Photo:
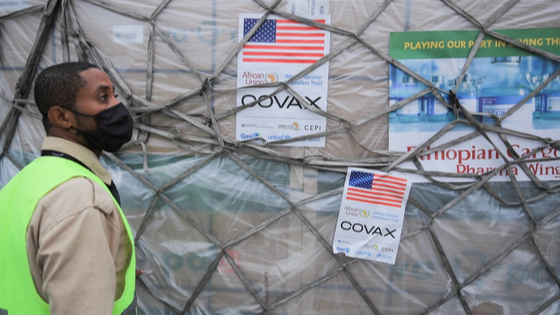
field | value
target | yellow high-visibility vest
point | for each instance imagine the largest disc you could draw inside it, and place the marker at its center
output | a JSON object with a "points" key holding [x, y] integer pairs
{"points": [[18, 200]]}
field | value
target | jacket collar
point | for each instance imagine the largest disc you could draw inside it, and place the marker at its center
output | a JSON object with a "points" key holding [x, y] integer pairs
{"points": [[80, 153]]}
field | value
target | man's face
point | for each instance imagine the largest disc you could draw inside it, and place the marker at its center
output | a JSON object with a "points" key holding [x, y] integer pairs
{"points": [[97, 95]]}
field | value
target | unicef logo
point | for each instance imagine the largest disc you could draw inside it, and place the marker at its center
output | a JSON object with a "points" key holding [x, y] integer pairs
{"points": [[271, 77], [279, 137]]}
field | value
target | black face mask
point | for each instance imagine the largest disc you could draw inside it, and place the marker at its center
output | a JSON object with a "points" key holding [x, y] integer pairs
{"points": [[114, 128]]}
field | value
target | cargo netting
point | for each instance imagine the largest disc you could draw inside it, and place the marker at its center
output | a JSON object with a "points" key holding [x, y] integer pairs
{"points": [[226, 226]]}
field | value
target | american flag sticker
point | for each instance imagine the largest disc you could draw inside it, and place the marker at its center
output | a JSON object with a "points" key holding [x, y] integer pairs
{"points": [[379, 189], [284, 41]]}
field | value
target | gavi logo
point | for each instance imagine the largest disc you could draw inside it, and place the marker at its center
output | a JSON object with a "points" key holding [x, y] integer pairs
{"points": [[245, 136]]}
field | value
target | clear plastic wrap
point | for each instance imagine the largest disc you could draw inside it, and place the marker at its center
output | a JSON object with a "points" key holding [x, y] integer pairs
{"points": [[227, 227]]}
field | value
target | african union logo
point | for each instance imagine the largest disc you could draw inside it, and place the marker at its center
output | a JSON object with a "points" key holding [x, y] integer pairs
{"points": [[374, 246], [296, 126], [364, 213], [271, 78]]}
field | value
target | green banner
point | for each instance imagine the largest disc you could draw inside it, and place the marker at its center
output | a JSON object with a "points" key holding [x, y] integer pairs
{"points": [[458, 44]]}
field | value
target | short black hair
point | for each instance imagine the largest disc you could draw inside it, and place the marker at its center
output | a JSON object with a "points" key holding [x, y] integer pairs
{"points": [[58, 85]]}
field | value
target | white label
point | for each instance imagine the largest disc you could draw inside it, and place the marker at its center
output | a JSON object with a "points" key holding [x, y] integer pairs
{"points": [[411, 108], [371, 215], [469, 104], [520, 117], [318, 7], [308, 7], [439, 108], [124, 34], [281, 116], [298, 7], [553, 102], [7, 6]]}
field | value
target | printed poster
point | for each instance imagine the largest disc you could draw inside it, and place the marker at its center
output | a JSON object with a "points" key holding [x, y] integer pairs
{"points": [[277, 52], [371, 215], [499, 77]]}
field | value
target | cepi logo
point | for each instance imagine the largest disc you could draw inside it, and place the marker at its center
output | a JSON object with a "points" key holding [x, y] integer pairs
{"points": [[271, 77], [245, 136], [296, 126], [364, 213]]}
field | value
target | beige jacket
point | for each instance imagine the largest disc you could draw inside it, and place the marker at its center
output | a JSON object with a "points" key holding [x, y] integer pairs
{"points": [[76, 242]]}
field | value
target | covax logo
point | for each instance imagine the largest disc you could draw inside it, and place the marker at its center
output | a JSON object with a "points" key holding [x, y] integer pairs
{"points": [[266, 101], [363, 228]]}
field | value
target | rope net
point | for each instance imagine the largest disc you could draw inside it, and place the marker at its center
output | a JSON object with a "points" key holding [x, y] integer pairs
{"points": [[240, 227]]}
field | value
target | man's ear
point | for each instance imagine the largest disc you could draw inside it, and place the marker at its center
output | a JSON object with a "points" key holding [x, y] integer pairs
{"points": [[59, 117]]}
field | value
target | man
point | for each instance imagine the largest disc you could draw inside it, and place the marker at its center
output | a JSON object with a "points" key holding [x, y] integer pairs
{"points": [[65, 245]]}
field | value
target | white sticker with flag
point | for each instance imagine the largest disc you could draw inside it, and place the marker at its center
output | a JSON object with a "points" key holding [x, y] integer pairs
{"points": [[371, 215], [278, 51]]}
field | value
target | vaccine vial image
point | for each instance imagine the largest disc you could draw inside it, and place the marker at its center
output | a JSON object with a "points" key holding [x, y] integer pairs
{"points": [[466, 94], [435, 110], [550, 99], [504, 86], [411, 112]]}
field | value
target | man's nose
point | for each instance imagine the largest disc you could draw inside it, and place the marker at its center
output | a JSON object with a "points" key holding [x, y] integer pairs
{"points": [[114, 101]]}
